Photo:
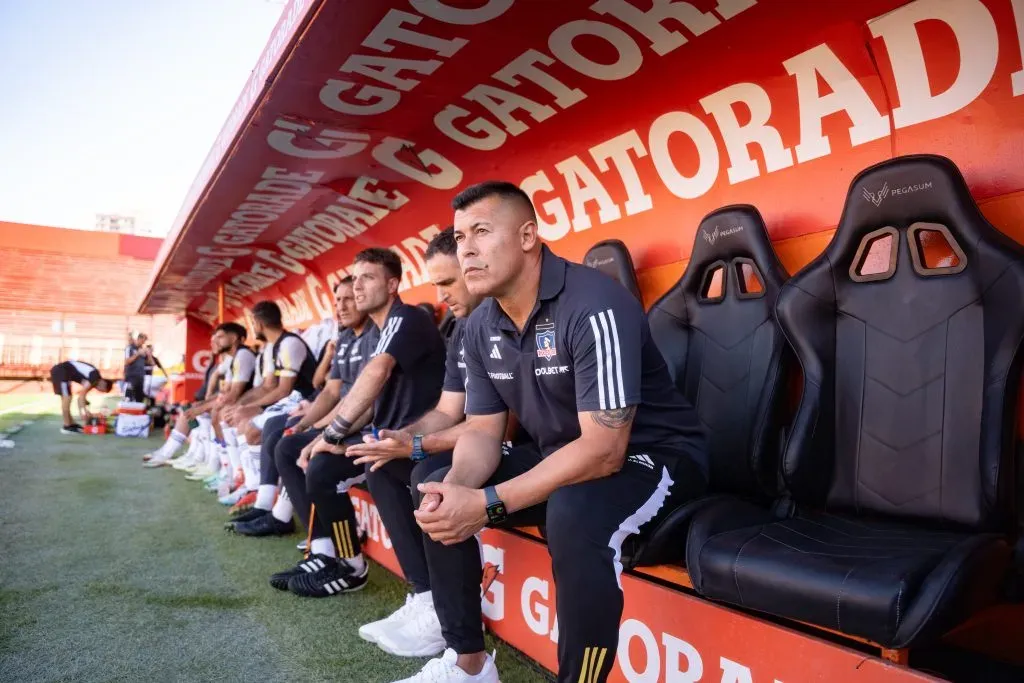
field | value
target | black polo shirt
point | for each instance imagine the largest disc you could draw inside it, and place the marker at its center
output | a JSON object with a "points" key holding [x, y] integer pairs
{"points": [[410, 336], [351, 354], [137, 368], [454, 364], [586, 347]]}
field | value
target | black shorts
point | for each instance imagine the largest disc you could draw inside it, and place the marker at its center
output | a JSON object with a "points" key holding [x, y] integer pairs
{"points": [[60, 381]]}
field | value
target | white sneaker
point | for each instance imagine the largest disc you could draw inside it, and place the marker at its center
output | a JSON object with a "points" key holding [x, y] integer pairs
{"points": [[201, 471], [157, 459], [303, 546], [370, 632], [185, 462], [444, 670], [418, 634], [234, 496]]}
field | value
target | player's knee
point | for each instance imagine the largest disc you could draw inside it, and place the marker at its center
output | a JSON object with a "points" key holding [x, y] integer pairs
{"points": [[252, 435], [318, 476], [286, 453], [423, 473]]}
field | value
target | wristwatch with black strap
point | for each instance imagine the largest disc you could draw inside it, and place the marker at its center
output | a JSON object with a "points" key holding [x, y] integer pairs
{"points": [[496, 512]]}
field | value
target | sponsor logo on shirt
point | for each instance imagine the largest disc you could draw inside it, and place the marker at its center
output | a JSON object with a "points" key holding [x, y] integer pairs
{"points": [[503, 376], [495, 353], [546, 341], [551, 370]]}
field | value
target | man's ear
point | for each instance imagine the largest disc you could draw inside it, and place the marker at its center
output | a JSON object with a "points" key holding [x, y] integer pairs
{"points": [[528, 236], [393, 284]]}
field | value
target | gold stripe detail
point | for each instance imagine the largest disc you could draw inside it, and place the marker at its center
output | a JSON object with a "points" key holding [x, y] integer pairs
{"points": [[583, 669], [337, 538], [600, 663], [348, 537]]}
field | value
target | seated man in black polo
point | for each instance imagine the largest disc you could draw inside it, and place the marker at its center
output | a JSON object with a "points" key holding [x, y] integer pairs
{"points": [[401, 381], [62, 376], [569, 351]]}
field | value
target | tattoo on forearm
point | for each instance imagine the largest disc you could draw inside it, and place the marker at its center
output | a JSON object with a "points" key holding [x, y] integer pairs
{"points": [[614, 419]]}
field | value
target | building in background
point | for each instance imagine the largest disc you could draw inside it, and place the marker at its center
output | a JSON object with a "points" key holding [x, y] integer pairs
{"points": [[72, 294], [112, 222]]}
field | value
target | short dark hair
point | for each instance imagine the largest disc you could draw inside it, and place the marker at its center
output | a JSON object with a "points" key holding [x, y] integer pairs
{"points": [[492, 188], [381, 257], [233, 328], [268, 313], [347, 280], [442, 243]]}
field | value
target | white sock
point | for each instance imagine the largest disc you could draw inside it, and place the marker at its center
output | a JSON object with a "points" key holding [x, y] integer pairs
{"points": [[254, 460], [172, 445], [265, 497], [251, 469], [283, 508], [322, 546], [231, 437], [357, 563], [213, 456]]}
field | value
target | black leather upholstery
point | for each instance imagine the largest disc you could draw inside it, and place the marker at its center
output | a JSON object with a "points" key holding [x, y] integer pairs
{"points": [[904, 433], [728, 357], [612, 257]]}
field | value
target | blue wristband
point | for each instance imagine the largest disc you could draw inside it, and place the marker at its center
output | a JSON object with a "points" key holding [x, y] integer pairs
{"points": [[417, 449]]}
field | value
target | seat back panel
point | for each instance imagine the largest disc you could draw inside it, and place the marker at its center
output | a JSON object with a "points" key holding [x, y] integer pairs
{"points": [[724, 350], [908, 399]]}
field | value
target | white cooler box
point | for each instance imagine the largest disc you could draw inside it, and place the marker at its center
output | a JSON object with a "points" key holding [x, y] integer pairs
{"points": [[132, 420]]}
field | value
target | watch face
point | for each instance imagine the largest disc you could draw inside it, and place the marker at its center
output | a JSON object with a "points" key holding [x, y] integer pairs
{"points": [[496, 512]]}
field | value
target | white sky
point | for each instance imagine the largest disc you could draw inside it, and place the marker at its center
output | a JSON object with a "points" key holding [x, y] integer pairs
{"points": [[110, 106]]}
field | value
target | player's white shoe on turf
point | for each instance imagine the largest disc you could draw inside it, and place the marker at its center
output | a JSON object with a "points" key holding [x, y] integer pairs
{"points": [[418, 634], [444, 670], [371, 631]]}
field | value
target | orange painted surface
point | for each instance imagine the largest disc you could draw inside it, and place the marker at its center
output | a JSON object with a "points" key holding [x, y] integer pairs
{"points": [[664, 633]]}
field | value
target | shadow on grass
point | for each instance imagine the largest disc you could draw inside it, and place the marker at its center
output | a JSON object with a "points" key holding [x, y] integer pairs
{"points": [[172, 601]]}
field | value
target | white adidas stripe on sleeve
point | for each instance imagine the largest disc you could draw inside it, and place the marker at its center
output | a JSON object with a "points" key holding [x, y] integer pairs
{"points": [[390, 329], [610, 390]]}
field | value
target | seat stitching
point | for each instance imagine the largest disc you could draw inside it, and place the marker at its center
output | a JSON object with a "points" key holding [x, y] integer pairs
{"points": [[862, 525], [893, 503], [880, 533], [811, 552], [843, 545], [736, 564], [923, 385], [839, 597], [899, 596], [905, 447]]}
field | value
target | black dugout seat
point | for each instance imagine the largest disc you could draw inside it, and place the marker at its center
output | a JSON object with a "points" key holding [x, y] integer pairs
{"points": [[908, 329], [716, 330], [612, 258]]}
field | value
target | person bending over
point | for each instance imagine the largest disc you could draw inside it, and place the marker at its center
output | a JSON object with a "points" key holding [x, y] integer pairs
{"points": [[569, 351], [62, 376]]}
